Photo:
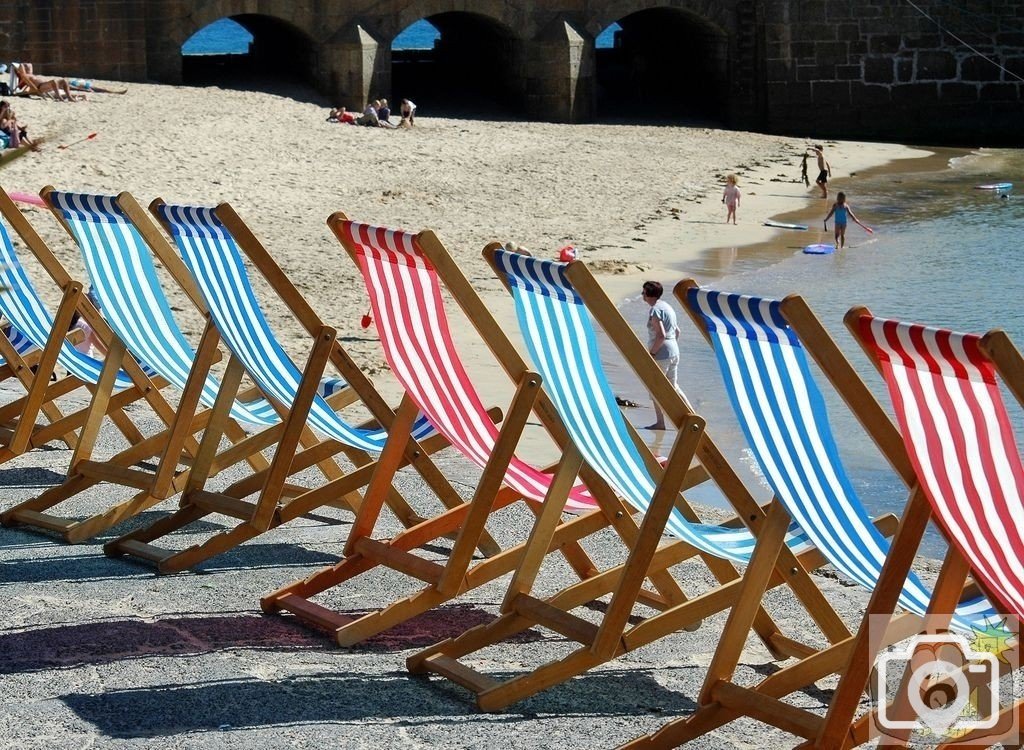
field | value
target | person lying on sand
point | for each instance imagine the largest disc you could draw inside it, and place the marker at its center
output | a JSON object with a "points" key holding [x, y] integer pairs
{"points": [[341, 115], [81, 84]]}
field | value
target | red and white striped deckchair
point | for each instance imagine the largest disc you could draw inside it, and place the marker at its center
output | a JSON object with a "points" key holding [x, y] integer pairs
{"points": [[404, 288], [945, 391]]}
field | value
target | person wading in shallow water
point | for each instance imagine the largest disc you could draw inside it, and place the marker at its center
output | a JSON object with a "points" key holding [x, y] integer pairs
{"points": [[662, 341]]}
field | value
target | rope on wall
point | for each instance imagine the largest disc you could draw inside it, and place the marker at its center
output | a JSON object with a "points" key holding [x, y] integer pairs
{"points": [[944, 30]]}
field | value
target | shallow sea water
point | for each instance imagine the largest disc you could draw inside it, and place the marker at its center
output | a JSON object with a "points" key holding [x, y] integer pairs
{"points": [[943, 253]]}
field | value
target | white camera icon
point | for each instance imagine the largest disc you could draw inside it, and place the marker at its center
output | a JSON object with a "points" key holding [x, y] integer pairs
{"points": [[944, 674]]}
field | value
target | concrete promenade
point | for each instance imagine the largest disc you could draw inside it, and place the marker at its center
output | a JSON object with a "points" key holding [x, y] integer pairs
{"points": [[96, 652]]}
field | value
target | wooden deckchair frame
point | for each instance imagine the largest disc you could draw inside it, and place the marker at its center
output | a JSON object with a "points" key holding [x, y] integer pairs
{"points": [[520, 610], [721, 700], [171, 448], [19, 430], [458, 575], [34, 370], [104, 401], [277, 502]]}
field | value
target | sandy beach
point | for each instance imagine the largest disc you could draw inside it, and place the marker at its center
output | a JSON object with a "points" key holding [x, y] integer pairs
{"points": [[103, 653], [634, 200]]}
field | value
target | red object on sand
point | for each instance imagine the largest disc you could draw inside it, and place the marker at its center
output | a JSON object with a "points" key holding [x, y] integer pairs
{"points": [[32, 198], [366, 321], [80, 140], [567, 253]]}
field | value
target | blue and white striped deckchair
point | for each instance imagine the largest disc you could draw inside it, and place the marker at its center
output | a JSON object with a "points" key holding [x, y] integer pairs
{"points": [[562, 345], [145, 383], [32, 321], [120, 266], [213, 259], [215, 262], [782, 413], [21, 306], [135, 308], [112, 387]]}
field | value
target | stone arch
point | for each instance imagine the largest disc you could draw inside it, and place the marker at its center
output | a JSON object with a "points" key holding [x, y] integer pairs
{"points": [[501, 13], [721, 15], [672, 60], [295, 15], [282, 43], [477, 66]]}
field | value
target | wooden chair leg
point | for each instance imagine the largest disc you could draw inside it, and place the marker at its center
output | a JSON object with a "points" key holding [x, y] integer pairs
{"points": [[741, 617], [100, 399], [182, 426], [638, 564], [884, 600], [270, 493], [47, 362], [161, 527], [387, 464], [946, 595], [215, 545], [86, 529], [220, 415], [549, 517]]}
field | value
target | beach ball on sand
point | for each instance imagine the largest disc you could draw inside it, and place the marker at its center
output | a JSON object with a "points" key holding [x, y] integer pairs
{"points": [[567, 253]]}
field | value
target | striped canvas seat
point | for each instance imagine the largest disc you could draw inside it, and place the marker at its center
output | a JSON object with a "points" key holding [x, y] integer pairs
{"points": [[214, 260], [961, 444], [783, 416], [32, 322], [405, 295], [124, 279], [563, 346]]}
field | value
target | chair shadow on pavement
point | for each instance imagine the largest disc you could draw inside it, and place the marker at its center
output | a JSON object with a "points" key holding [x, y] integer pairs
{"points": [[72, 645], [339, 699], [30, 478]]}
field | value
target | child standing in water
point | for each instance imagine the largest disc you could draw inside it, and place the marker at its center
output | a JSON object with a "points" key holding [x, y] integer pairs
{"points": [[841, 210], [731, 198]]}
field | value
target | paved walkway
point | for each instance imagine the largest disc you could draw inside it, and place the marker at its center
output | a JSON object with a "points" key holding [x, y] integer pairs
{"points": [[98, 652]]}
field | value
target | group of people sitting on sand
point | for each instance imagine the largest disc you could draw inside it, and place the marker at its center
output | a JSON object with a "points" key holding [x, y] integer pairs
{"points": [[13, 132], [376, 115]]}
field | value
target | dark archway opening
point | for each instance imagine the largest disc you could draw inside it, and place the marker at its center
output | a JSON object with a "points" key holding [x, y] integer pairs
{"points": [[663, 65], [473, 67], [248, 51]]}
